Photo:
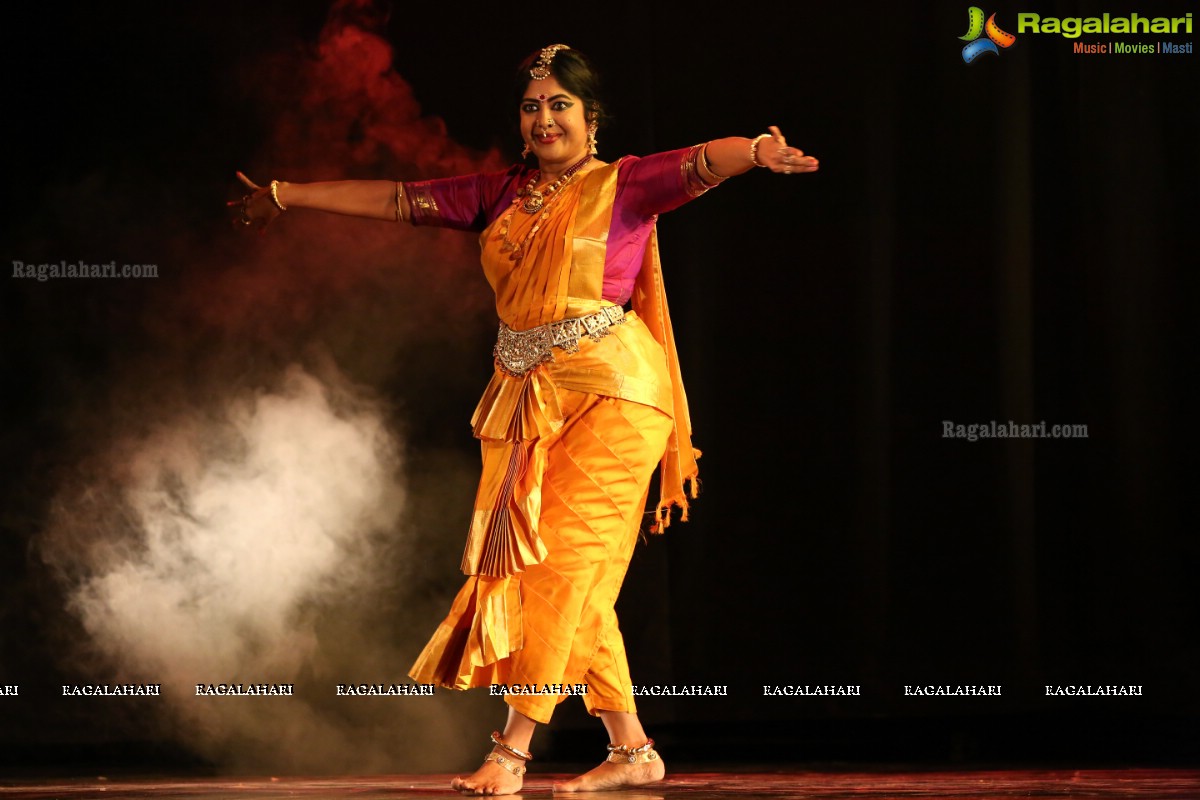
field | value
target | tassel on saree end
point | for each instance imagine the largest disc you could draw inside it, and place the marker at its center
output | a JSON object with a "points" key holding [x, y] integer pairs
{"points": [[662, 518]]}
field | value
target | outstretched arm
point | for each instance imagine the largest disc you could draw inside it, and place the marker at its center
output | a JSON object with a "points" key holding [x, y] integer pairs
{"points": [[724, 158], [383, 200]]}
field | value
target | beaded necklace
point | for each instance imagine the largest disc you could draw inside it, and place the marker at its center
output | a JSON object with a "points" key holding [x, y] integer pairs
{"points": [[531, 201]]}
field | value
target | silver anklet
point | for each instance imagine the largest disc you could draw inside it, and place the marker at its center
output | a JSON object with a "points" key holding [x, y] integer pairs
{"points": [[624, 754]]}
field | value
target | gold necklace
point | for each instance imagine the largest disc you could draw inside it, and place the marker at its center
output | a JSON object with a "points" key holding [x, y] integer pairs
{"points": [[535, 198], [531, 202]]}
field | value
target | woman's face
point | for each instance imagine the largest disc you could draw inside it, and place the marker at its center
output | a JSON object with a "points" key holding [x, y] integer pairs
{"points": [[553, 123]]}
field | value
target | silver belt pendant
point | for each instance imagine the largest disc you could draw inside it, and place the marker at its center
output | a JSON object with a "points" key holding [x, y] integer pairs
{"points": [[517, 352]]}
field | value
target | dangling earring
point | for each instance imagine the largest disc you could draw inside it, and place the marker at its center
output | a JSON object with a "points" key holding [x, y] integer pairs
{"points": [[592, 138], [525, 152]]}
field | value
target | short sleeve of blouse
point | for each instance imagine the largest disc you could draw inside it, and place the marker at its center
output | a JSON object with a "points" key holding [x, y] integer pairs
{"points": [[661, 182], [465, 202]]}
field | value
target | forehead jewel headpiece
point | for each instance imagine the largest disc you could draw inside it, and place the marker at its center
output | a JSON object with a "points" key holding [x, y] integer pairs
{"points": [[541, 69]]}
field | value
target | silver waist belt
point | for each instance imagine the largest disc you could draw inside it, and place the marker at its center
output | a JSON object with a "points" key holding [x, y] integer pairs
{"points": [[517, 352]]}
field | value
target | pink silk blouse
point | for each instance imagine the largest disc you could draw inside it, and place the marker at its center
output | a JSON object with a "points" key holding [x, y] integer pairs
{"points": [[646, 187]]}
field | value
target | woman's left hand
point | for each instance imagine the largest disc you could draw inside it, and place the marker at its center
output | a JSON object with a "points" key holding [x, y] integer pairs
{"points": [[254, 209], [776, 155]]}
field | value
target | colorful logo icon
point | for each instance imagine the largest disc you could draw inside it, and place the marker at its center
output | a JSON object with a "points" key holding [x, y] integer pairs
{"points": [[976, 27]]}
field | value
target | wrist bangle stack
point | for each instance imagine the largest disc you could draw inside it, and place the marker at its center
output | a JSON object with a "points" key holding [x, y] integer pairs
{"points": [[275, 196], [708, 165], [754, 149]]}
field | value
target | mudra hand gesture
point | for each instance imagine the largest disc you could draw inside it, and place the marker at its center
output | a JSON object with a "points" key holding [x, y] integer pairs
{"points": [[260, 206], [772, 151]]}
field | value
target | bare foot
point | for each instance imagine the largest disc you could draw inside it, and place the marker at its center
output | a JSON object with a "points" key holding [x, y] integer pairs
{"points": [[491, 778], [611, 775]]}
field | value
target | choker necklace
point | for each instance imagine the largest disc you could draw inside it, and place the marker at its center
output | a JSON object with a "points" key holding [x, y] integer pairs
{"points": [[536, 198], [534, 201]]}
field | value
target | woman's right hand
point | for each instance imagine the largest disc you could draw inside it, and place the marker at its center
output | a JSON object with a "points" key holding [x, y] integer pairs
{"points": [[256, 208]]}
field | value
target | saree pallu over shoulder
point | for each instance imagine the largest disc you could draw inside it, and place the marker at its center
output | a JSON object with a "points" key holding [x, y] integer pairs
{"points": [[518, 417]]}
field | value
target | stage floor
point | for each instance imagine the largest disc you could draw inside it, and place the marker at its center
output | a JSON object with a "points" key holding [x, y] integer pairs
{"points": [[1153, 784]]}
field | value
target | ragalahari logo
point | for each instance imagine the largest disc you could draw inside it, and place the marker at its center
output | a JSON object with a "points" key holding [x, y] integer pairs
{"points": [[976, 27]]}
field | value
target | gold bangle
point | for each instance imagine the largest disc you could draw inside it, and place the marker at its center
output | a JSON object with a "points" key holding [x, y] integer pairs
{"points": [[708, 164], [754, 149], [399, 197], [275, 196]]}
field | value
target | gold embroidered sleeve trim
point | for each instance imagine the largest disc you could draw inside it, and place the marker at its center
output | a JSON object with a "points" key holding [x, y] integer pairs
{"points": [[421, 203], [693, 183]]}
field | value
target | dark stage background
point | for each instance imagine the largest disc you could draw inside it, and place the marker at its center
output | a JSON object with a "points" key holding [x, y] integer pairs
{"points": [[1007, 240]]}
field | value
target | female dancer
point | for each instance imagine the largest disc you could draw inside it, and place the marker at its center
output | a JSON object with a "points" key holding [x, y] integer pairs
{"points": [[585, 400]]}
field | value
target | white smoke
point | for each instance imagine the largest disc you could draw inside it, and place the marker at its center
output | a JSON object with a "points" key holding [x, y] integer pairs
{"points": [[242, 522], [262, 539]]}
